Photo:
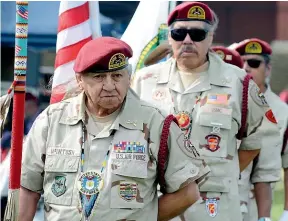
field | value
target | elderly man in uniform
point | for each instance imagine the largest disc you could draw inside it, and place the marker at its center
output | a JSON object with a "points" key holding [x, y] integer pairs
{"points": [[95, 155], [256, 57], [267, 167], [205, 95]]}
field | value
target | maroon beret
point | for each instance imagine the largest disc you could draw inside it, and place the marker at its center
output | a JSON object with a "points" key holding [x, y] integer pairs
{"points": [[229, 56], [104, 54], [30, 97], [191, 11], [253, 46]]}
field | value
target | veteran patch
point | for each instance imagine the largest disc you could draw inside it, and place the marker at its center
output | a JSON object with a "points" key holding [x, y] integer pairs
{"points": [[196, 12], [253, 48], [212, 206], [270, 116], [58, 188], [128, 190], [221, 54], [257, 96], [90, 183], [117, 61], [159, 94]]}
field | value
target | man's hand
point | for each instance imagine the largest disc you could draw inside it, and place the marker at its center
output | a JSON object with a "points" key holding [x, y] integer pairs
{"points": [[173, 204], [28, 204]]}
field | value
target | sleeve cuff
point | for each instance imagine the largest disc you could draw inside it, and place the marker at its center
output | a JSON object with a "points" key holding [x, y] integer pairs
{"points": [[31, 180], [250, 143], [183, 177], [266, 176], [285, 160]]}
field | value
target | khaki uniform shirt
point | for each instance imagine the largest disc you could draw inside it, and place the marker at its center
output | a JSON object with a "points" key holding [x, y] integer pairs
{"points": [[280, 111], [268, 167], [216, 102], [52, 151]]}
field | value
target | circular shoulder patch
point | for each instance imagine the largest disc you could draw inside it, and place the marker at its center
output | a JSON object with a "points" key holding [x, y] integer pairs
{"points": [[257, 96]]}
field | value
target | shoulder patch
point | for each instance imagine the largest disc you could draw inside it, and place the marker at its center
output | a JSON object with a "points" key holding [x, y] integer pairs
{"points": [[257, 96], [270, 116]]}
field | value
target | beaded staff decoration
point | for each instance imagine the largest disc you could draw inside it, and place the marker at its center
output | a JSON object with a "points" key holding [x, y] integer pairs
{"points": [[19, 87]]}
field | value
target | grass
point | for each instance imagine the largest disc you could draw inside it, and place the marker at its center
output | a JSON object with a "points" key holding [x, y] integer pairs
{"points": [[278, 201]]}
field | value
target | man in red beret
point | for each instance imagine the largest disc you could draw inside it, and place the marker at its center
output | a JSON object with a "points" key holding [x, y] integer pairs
{"points": [[257, 62], [204, 93], [268, 165], [95, 155]]}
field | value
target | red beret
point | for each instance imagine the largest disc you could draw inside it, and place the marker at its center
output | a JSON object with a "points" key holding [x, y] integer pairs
{"points": [[253, 46], [30, 97], [229, 56], [191, 11], [103, 54]]}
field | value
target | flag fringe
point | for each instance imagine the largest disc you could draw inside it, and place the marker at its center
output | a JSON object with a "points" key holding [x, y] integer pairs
{"points": [[12, 208]]}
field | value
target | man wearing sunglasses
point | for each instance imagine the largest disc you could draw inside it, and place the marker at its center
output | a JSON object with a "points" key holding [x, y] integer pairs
{"points": [[204, 93], [256, 57], [268, 166]]}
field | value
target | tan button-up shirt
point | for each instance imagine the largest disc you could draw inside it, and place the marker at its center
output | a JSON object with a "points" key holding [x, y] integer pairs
{"points": [[215, 104], [52, 151]]}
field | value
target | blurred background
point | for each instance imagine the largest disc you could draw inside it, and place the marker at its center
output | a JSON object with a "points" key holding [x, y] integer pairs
{"points": [[238, 21]]}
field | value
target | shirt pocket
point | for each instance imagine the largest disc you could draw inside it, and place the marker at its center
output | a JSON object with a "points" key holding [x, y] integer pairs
{"points": [[215, 128], [59, 180]]}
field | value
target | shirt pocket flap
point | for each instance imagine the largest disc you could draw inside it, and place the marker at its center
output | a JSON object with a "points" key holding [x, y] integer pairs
{"points": [[216, 184], [211, 120], [60, 163]]}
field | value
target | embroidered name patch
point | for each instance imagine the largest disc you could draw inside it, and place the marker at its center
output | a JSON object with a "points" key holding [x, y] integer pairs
{"points": [[220, 99], [60, 151], [219, 110]]}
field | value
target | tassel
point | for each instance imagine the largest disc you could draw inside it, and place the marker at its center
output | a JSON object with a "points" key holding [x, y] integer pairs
{"points": [[5, 102], [12, 208]]}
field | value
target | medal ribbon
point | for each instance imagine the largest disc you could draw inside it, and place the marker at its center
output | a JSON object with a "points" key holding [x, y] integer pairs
{"points": [[88, 201], [187, 135]]}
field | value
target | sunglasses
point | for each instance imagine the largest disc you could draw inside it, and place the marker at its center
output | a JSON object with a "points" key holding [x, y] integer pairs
{"points": [[254, 63], [195, 34]]}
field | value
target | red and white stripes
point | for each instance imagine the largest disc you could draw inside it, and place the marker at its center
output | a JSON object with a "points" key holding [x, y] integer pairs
{"points": [[77, 25]]}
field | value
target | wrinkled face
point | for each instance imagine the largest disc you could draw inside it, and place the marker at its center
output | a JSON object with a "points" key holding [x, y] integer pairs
{"points": [[105, 90], [257, 67], [194, 47]]}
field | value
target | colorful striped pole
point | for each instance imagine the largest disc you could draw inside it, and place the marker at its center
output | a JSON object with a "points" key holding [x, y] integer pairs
{"points": [[20, 64]]}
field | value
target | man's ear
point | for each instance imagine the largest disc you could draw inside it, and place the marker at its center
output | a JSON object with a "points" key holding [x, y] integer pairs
{"points": [[79, 79], [268, 69]]}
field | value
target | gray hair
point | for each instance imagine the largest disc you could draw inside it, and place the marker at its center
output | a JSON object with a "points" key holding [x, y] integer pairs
{"points": [[129, 69]]}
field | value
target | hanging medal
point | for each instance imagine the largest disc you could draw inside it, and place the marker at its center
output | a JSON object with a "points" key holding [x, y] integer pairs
{"points": [[184, 119], [90, 183]]}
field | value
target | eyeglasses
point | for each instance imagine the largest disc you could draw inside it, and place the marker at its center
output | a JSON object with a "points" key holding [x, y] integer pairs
{"points": [[195, 34], [254, 63]]}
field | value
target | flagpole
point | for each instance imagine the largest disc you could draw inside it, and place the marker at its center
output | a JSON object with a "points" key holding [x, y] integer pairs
{"points": [[172, 5], [20, 65]]}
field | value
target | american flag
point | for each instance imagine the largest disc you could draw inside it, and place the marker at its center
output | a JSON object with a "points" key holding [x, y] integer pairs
{"points": [[17, 49], [217, 99], [22, 12], [78, 23]]}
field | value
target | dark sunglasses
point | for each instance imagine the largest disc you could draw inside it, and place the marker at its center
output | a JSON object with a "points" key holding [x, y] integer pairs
{"points": [[254, 63], [195, 34]]}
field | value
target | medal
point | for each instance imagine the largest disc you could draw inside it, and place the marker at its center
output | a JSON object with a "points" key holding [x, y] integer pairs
{"points": [[90, 183], [184, 119]]}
